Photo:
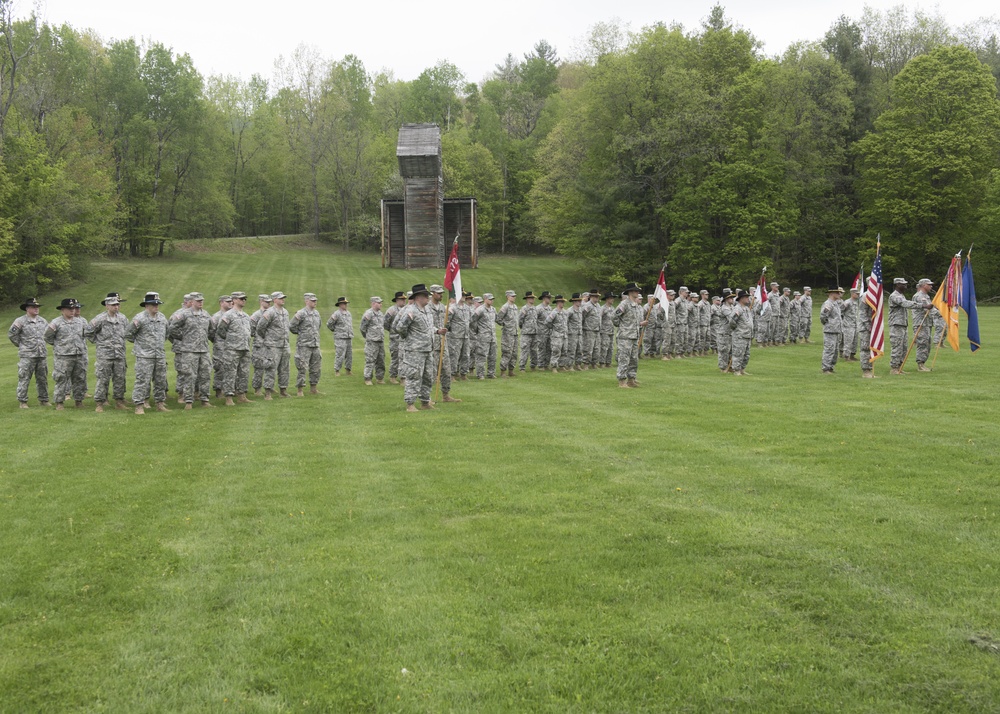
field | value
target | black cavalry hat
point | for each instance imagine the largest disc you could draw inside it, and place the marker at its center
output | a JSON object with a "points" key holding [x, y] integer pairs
{"points": [[116, 296], [545, 294], [631, 288], [607, 296], [151, 299], [400, 295], [528, 294], [342, 301], [575, 297], [30, 302], [68, 304], [742, 294], [420, 289], [558, 298]]}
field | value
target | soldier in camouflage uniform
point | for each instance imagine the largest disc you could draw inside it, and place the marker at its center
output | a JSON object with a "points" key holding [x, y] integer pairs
{"points": [[556, 321], [66, 335], [107, 331], [607, 349], [415, 324], [629, 319], [849, 318], [148, 333], [723, 332], [741, 331], [484, 327], [191, 331], [795, 317], [681, 307], [694, 325], [341, 324], [704, 321], [527, 320], [833, 328], [507, 319], [653, 333], [272, 331], [233, 333], [218, 349], [27, 333], [785, 312], [256, 351], [763, 325], [591, 329], [667, 327], [373, 333], [865, 337], [179, 373], [308, 356], [923, 320], [898, 324], [440, 344], [459, 315], [395, 363], [806, 314], [573, 355], [544, 346]]}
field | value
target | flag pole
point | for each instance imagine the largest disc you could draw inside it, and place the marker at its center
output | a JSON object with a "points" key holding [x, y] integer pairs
{"points": [[441, 353]]}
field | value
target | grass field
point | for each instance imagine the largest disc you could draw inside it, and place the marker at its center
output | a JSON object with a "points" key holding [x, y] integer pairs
{"points": [[781, 542]]}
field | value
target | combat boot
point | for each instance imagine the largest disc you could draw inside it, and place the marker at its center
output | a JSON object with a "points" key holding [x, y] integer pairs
{"points": [[411, 407], [139, 409], [24, 405], [78, 403], [256, 392], [230, 402], [633, 383], [448, 398], [299, 392], [187, 407], [284, 393], [426, 405], [206, 403], [267, 395], [313, 390], [242, 399], [368, 383], [868, 374], [161, 407], [120, 404], [100, 408], [922, 368], [393, 380], [624, 384]]}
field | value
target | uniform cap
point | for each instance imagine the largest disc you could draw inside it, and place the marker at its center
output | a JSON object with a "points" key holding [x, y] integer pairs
{"points": [[67, 304], [545, 294], [375, 298], [671, 292], [774, 285], [728, 296], [310, 296], [924, 281], [225, 298], [528, 295], [575, 297], [786, 290], [487, 296], [796, 294], [400, 295], [239, 295], [197, 296], [277, 295], [116, 296], [477, 299], [703, 292], [419, 289], [806, 288], [631, 288], [742, 294], [856, 291], [607, 296], [265, 297], [683, 289], [899, 281], [585, 295], [510, 293], [716, 297], [466, 294], [436, 289], [188, 296], [558, 298]]}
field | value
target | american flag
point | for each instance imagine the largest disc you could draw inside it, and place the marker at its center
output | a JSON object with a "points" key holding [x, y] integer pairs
{"points": [[875, 299]]}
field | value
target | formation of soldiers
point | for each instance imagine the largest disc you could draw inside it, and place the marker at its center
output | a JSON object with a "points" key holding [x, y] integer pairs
{"points": [[432, 340]]}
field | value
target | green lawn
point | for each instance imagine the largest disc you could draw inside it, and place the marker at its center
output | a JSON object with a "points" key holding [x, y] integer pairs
{"points": [[781, 542]]}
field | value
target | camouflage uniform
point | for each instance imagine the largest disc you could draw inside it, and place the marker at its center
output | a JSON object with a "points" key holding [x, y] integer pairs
{"points": [[256, 351], [607, 350], [342, 326], [923, 321], [28, 335], [667, 333], [627, 317], [693, 329], [233, 333], [507, 318], [833, 330], [191, 330], [218, 348], [308, 355], [543, 340], [148, 332], [795, 318], [741, 331], [704, 323], [556, 321], [865, 336], [68, 351], [416, 326], [107, 331], [272, 331], [440, 355], [723, 334], [179, 373], [806, 317], [459, 337], [394, 339], [373, 331], [484, 325], [849, 319], [573, 355], [763, 322], [591, 333], [527, 320], [681, 308], [898, 305]]}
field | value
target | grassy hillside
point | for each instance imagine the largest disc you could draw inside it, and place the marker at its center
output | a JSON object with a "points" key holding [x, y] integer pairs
{"points": [[786, 541]]}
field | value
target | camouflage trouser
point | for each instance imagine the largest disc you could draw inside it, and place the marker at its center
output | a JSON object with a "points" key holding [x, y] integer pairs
{"points": [[508, 350], [150, 370], [458, 352], [940, 330], [486, 357], [218, 365], [37, 367], [607, 350], [897, 340], [831, 343], [724, 343], [680, 339], [395, 362], [806, 326], [591, 347], [442, 360], [628, 357], [557, 342], [307, 360], [110, 371], [275, 361], [178, 376], [741, 353], [344, 357], [70, 375], [763, 330], [703, 337], [573, 351], [650, 340], [713, 339], [692, 338], [418, 368], [374, 360], [197, 370], [544, 347], [258, 367], [922, 342], [236, 372], [529, 349], [667, 339], [850, 340], [865, 338], [786, 321]]}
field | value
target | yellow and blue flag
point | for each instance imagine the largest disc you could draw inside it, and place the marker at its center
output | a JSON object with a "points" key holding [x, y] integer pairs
{"points": [[968, 304]]}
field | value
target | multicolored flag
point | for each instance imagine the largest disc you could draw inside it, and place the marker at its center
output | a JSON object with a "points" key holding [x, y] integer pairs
{"points": [[760, 292], [660, 291], [453, 273], [946, 300], [859, 280], [875, 298], [968, 302]]}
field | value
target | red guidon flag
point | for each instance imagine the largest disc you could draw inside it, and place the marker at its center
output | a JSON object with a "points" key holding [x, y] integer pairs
{"points": [[859, 281], [760, 292], [660, 291], [453, 274]]}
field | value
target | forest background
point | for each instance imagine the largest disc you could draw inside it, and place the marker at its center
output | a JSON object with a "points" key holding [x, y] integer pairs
{"points": [[665, 144]]}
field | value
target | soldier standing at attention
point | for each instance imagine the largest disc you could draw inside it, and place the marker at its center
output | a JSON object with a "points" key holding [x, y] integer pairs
{"points": [[607, 349], [693, 319], [416, 326], [233, 333], [256, 353], [107, 331], [923, 319], [439, 344], [459, 314], [704, 322], [308, 356], [898, 305], [66, 335], [682, 305], [148, 333], [849, 316], [649, 337], [527, 320], [272, 331], [724, 333], [628, 318], [591, 329], [833, 328], [373, 332], [341, 324], [398, 303], [669, 320], [865, 336], [555, 322], [794, 316], [218, 353], [179, 374], [191, 331], [574, 333], [806, 314], [741, 331], [544, 343], [484, 326], [27, 333], [507, 318]]}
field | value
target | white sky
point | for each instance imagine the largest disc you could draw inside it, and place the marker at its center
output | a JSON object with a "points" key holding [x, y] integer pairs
{"points": [[243, 38]]}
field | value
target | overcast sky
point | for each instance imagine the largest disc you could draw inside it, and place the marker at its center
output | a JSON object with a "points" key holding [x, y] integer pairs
{"points": [[243, 38]]}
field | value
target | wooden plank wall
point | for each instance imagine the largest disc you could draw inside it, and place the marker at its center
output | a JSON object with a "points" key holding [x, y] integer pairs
{"points": [[396, 239], [424, 217]]}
